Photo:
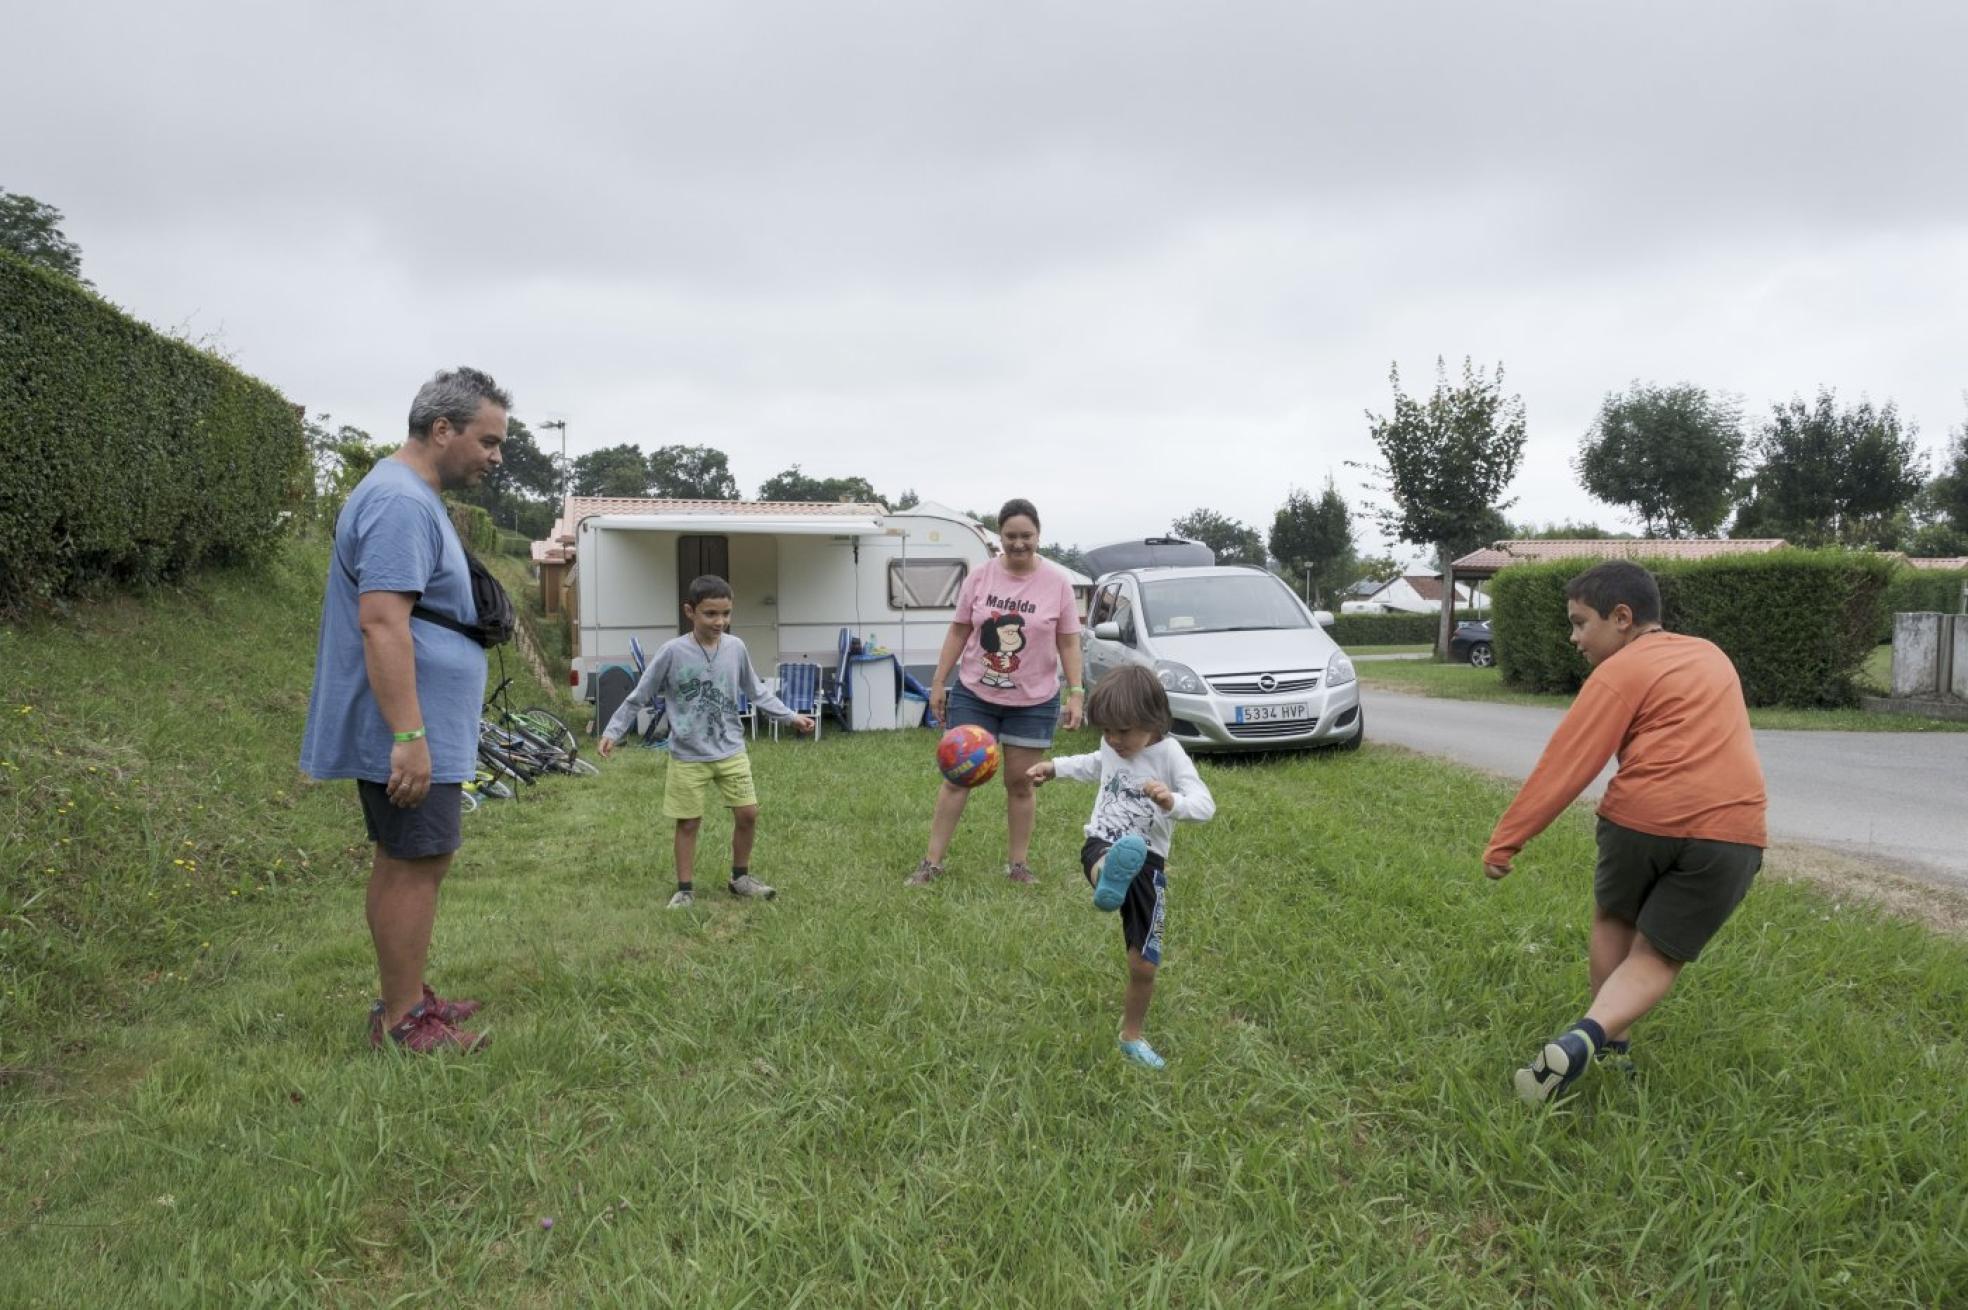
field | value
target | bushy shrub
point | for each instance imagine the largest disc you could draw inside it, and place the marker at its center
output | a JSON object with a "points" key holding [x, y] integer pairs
{"points": [[1918, 591], [127, 456], [1389, 629], [1798, 624], [475, 527]]}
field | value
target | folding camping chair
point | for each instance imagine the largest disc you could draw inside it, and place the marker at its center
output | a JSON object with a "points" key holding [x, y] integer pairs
{"points": [[833, 683], [657, 711], [799, 688]]}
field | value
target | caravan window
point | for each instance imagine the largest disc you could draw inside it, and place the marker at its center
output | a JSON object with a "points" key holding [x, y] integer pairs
{"points": [[924, 584]]}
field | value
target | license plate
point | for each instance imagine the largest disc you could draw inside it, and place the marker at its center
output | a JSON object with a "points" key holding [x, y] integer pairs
{"points": [[1272, 713]]}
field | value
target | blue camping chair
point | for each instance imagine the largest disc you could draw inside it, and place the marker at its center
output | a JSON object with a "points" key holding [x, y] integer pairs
{"points": [[656, 708], [799, 687]]}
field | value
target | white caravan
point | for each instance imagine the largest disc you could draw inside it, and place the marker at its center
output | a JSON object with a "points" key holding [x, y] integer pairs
{"points": [[799, 573]]}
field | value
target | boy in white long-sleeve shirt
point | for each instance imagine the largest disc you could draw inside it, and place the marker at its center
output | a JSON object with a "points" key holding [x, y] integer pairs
{"points": [[1146, 784]]}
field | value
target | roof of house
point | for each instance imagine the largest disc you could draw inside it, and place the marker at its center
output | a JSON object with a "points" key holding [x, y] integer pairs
{"points": [[1428, 586], [1942, 562], [1492, 558]]}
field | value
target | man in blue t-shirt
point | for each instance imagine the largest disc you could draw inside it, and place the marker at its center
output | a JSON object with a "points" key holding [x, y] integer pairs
{"points": [[396, 698]]}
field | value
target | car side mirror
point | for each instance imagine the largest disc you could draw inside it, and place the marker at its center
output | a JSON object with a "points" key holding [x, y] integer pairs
{"points": [[1323, 618], [1109, 631]]}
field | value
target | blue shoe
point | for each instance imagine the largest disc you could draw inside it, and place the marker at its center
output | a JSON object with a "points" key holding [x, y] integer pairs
{"points": [[1142, 1053], [1557, 1067], [1124, 859]]}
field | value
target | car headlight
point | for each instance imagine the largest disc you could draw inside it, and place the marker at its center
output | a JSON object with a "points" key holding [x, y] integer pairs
{"points": [[1180, 677], [1339, 671]]}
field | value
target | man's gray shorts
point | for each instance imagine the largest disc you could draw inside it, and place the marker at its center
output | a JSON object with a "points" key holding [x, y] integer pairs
{"points": [[1677, 890], [418, 833]]}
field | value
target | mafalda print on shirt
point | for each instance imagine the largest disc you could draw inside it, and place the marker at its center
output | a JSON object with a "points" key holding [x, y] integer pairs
{"points": [[1002, 638]]}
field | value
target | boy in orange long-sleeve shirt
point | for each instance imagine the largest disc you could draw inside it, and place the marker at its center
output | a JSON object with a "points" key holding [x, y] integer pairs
{"points": [[1681, 830]]}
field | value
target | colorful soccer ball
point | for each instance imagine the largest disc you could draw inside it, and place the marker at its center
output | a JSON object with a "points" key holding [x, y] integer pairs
{"points": [[968, 755]]}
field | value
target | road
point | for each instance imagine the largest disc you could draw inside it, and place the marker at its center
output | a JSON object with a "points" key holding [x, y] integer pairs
{"points": [[1894, 796]]}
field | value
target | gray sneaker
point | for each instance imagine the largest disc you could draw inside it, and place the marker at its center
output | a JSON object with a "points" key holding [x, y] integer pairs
{"points": [[748, 886], [682, 900], [925, 874], [1018, 873]]}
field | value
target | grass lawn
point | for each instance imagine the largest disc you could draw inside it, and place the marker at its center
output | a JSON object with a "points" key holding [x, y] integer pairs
{"points": [[1422, 649], [857, 1095], [1462, 682]]}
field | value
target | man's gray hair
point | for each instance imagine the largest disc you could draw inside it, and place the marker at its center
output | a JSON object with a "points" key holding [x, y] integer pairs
{"points": [[454, 394]]}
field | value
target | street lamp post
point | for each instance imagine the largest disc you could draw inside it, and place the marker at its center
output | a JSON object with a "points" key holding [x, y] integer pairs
{"points": [[561, 423]]}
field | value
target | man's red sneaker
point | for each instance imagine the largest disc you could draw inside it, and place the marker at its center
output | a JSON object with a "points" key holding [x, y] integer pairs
{"points": [[422, 1031], [452, 1012]]}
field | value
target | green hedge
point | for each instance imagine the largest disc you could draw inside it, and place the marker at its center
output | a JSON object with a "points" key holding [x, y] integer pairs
{"points": [[1915, 591], [1389, 629], [126, 456], [1799, 624], [475, 528]]}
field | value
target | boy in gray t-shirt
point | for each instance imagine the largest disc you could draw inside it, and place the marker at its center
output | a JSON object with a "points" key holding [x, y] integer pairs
{"points": [[700, 677]]}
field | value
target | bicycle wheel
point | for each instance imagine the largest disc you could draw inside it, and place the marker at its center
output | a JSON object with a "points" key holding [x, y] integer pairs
{"points": [[581, 768], [468, 799], [553, 728]]}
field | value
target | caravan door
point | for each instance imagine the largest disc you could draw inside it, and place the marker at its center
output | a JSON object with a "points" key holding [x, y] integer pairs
{"points": [[696, 556]]}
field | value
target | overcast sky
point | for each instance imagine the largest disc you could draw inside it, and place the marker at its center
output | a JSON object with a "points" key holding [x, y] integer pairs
{"points": [[1125, 259]]}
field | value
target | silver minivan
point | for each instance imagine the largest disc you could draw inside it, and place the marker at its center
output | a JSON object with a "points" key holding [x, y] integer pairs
{"points": [[1246, 664]]}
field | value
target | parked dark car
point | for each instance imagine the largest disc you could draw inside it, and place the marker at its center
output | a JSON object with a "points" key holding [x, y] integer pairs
{"points": [[1473, 641]]}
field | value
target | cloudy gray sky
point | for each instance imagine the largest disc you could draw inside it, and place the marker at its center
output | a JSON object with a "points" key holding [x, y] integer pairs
{"points": [[1123, 258]]}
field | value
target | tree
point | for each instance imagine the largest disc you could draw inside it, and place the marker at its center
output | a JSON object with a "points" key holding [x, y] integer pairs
{"points": [[1067, 557], [1568, 531], [1233, 542], [1829, 475], [1669, 454], [612, 471], [32, 230], [907, 500], [691, 473], [1313, 540], [1947, 494], [795, 485], [1486, 531], [340, 457], [1445, 462], [1377, 568]]}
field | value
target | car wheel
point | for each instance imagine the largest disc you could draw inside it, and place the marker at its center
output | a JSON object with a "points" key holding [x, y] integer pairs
{"points": [[1481, 655]]}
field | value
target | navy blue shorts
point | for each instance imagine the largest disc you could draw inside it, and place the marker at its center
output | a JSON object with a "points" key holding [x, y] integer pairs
{"points": [[1030, 726], [418, 833], [1146, 904]]}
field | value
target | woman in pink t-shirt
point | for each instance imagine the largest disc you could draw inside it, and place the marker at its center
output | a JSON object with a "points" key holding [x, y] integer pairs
{"points": [[1017, 629]]}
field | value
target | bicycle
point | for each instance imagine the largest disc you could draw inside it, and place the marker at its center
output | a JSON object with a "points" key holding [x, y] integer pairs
{"points": [[540, 734]]}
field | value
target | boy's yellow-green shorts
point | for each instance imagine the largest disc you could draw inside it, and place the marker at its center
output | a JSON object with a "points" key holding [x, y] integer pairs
{"points": [[687, 780]]}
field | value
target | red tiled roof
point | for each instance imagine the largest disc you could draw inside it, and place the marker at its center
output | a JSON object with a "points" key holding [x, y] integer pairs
{"points": [[1426, 585], [1495, 557], [1945, 562]]}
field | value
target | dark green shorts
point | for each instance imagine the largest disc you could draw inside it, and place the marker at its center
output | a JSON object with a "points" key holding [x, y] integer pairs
{"points": [[1677, 890]]}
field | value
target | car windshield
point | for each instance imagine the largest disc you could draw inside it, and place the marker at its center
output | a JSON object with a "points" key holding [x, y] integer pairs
{"points": [[1247, 602]]}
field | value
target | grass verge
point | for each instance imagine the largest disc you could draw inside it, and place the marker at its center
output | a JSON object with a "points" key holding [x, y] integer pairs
{"points": [[856, 1095]]}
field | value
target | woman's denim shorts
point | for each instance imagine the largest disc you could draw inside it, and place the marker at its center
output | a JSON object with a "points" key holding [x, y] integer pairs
{"points": [[1030, 726]]}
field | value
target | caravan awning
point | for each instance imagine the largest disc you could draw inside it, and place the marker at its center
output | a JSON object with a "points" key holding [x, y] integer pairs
{"points": [[742, 524]]}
